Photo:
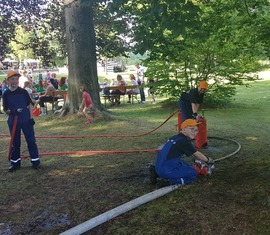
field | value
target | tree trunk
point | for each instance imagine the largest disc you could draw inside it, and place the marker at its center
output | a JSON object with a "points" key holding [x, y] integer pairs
{"points": [[81, 47]]}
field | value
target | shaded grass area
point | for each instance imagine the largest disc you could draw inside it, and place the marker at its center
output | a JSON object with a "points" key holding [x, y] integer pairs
{"points": [[70, 189]]}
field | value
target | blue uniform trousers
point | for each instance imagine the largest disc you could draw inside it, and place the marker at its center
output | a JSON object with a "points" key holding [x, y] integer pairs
{"points": [[186, 109], [28, 131], [177, 171]]}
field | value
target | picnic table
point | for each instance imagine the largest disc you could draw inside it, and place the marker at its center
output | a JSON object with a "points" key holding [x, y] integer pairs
{"points": [[57, 95], [111, 88]]}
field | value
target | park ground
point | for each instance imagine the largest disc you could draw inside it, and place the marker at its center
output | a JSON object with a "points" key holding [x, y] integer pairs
{"points": [[72, 188]]}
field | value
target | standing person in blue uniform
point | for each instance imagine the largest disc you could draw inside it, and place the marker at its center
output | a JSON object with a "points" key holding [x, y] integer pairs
{"points": [[17, 102], [169, 164], [190, 101]]}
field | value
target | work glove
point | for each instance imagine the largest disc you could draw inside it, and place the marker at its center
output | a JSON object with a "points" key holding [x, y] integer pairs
{"points": [[32, 121], [194, 115]]}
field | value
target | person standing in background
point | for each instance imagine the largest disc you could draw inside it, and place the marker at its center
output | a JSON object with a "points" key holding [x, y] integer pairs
{"points": [[152, 89], [23, 78], [140, 79], [190, 101]]}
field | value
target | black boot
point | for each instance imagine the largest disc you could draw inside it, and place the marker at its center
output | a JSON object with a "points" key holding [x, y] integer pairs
{"points": [[153, 174], [14, 168]]}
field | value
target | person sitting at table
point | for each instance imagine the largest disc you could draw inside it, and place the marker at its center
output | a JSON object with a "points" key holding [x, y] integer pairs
{"points": [[45, 98], [113, 83], [54, 81], [104, 84], [31, 89], [133, 91], [39, 86], [120, 91], [62, 85]]}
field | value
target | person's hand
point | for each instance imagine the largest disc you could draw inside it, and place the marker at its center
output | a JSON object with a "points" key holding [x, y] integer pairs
{"points": [[194, 115], [32, 121], [14, 112]]}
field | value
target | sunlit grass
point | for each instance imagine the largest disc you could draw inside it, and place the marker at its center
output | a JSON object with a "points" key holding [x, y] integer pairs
{"points": [[234, 200]]}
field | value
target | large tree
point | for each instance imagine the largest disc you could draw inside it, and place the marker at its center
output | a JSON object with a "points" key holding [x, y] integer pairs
{"points": [[188, 41], [81, 44], [84, 20], [15, 12]]}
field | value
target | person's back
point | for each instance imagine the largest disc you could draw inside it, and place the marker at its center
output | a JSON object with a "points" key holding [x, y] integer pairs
{"points": [[54, 83], [50, 88]]}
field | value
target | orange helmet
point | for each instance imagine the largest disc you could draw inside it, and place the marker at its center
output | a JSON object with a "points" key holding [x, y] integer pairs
{"points": [[203, 84], [12, 73]]}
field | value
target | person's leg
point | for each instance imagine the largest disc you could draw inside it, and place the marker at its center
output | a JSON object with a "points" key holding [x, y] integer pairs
{"points": [[89, 118], [178, 172], [152, 96], [142, 94], [185, 108], [184, 174], [29, 134], [42, 105], [129, 97], [113, 93], [0, 104]]}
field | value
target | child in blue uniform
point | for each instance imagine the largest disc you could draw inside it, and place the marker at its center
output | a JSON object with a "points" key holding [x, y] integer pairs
{"points": [[16, 101], [190, 101], [169, 164]]}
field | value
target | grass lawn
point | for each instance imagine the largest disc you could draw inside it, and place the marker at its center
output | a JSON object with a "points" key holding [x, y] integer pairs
{"points": [[70, 189]]}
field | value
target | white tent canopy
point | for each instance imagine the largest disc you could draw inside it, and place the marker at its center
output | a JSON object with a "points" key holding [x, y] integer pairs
{"points": [[9, 60], [30, 61]]}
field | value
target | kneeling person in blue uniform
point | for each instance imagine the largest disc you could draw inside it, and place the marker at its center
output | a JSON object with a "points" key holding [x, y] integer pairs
{"points": [[169, 164], [17, 102]]}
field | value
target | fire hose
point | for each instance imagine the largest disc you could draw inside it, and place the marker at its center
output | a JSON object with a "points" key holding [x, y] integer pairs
{"points": [[103, 136], [104, 217], [85, 152]]}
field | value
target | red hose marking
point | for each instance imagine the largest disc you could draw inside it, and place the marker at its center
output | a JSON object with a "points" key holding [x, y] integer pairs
{"points": [[103, 136], [85, 152]]}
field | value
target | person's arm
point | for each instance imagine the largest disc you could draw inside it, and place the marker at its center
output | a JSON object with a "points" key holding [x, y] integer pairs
{"points": [[30, 107], [195, 107], [34, 89], [82, 104], [46, 92], [202, 157]]}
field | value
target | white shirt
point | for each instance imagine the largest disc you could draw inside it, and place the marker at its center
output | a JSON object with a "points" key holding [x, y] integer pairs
{"points": [[22, 79]]}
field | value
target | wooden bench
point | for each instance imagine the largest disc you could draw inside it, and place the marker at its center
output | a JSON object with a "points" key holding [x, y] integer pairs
{"points": [[110, 96], [110, 88], [57, 97]]}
